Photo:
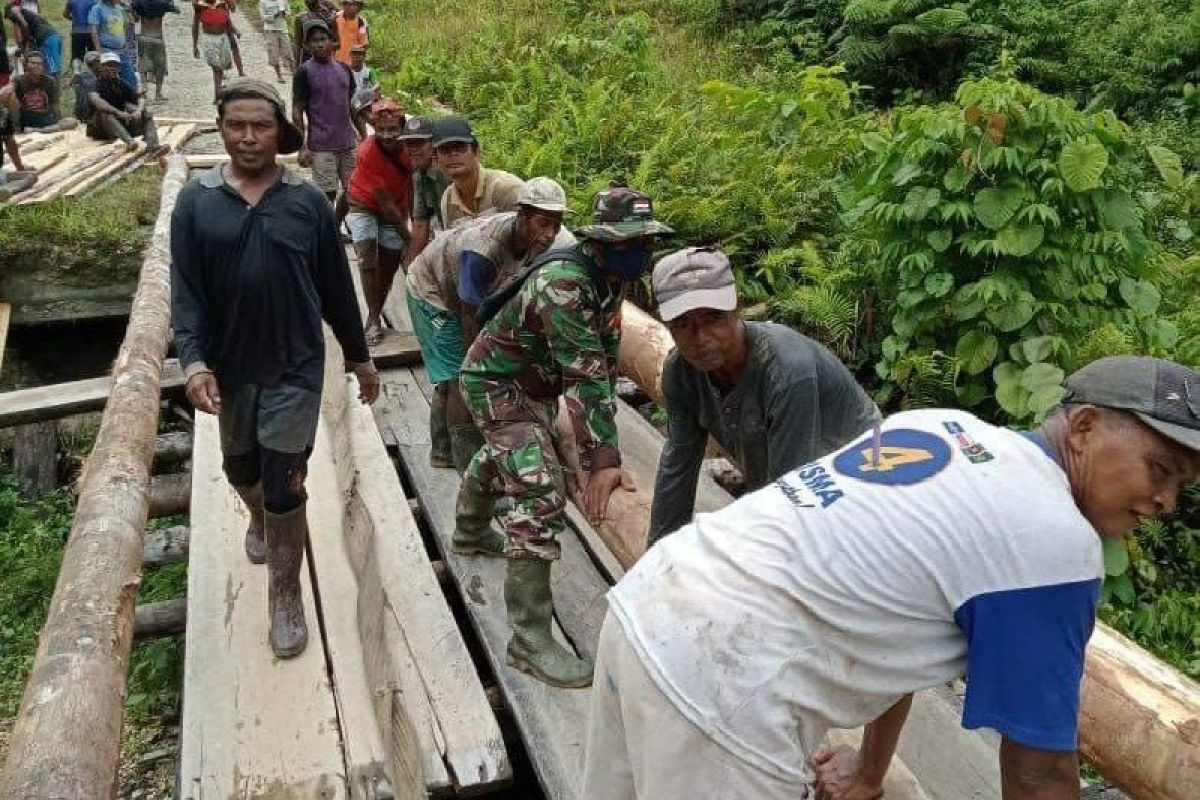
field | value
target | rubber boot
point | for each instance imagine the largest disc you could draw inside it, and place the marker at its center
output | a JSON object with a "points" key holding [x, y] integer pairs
{"points": [[473, 532], [256, 539], [285, 545], [465, 441], [441, 453], [532, 648]]}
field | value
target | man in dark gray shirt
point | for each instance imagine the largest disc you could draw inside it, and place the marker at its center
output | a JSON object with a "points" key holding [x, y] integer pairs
{"points": [[772, 397], [256, 265]]}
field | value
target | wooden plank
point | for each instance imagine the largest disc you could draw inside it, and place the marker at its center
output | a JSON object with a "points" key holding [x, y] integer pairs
{"points": [[253, 725], [362, 747], [426, 669], [40, 403], [5, 316], [552, 721], [398, 349]]}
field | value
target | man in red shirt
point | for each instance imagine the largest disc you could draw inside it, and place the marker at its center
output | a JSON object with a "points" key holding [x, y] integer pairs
{"points": [[381, 192]]}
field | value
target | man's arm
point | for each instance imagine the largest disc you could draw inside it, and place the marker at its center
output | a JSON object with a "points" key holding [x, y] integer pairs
{"points": [[102, 105], [14, 152], [335, 287], [189, 301], [1030, 774], [475, 274], [843, 773], [682, 455], [300, 101], [196, 31]]}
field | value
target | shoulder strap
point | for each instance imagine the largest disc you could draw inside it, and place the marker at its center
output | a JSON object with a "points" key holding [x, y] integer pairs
{"points": [[496, 300]]}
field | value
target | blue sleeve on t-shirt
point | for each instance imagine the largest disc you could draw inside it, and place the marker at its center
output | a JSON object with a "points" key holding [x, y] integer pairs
{"points": [[475, 275], [1025, 650]]}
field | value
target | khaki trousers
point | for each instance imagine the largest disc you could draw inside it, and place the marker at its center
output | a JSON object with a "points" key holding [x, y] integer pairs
{"points": [[639, 747]]}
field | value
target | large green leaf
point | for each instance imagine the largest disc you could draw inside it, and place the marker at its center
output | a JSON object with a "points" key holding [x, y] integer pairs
{"points": [[1117, 210], [995, 207], [1116, 557], [906, 174], [939, 284], [1041, 376], [1037, 348], [939, 239], [976, 351], [919, 201], [1013, 399], [956, 179], [1019, 240], [1141, 296], [1170, 166], [967, 303], [1012, 314], [1082, 162]]}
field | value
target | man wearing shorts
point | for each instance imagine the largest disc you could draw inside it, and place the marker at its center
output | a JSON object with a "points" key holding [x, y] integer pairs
{"points": [[256, 267], [322, 90], [81, 35], [274, 14], [152, 50], [211, 34]]}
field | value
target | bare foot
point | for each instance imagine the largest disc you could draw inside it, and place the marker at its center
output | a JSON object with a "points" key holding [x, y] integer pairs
{"points": [[374, 333]]}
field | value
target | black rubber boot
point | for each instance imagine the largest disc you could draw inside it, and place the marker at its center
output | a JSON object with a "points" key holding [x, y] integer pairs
{"points": [[532, 648], [473, 531], [286, 534], [256, 539], [440, 452]]}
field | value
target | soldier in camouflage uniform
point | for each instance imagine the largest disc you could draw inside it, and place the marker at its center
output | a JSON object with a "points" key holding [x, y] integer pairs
{"points": [[556, 336]]}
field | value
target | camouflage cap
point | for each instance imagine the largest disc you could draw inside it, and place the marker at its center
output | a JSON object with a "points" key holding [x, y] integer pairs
{"points": [[622, 213]]}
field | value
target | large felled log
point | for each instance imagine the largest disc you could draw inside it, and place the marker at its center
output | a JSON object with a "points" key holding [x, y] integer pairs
{"points": [[164, 618], [66, 739], [171, 448], [170, 495], [35, 458], [1139, 719], [166, 546]]}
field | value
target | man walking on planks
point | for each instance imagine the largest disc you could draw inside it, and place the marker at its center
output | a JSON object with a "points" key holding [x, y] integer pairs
{"points": [[256, 265], [939, 546], [772, 397], [555, 334]]}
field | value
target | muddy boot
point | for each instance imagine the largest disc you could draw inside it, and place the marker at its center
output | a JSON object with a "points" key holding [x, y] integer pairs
{"points": [[532, 648], [440, 452], [285, 549], [256, 540], [473, 532], [465, 441]]}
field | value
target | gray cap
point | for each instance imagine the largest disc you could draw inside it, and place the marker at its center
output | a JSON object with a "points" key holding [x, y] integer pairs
{"points": [[417, 128], [1161, 393], [543, 194], [691, 278]]}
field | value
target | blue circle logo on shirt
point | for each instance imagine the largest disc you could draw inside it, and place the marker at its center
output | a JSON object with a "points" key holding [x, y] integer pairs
{"points": [[905, 457]]}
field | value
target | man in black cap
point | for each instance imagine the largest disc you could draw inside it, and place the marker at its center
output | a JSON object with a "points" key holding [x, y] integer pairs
{"points": [[256, 265], [429, 184], [475, 190], [935, 547], [769, 395]]}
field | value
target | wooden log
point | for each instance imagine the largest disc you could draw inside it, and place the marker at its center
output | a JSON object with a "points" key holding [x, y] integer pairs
{"points": [[172, 448], [645, 344], [5, 316], [165, 546], [164, 618], [170, 495], [35, 458], [67, 735], [23, 406]]}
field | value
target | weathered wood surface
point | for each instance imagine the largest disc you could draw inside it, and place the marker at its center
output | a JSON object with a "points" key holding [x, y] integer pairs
{"points": [[400, 601], [163, 618], [165, 546], [253, 725], [398, 349], [645, 343], [35, 458], [24, 406], [172, 448], [170, 495], [552, 721], [66, 738]]}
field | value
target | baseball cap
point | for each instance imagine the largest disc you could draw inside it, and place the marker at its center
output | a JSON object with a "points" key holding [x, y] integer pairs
{"points": [[92, 56], [622, 213], [314, 24], [447, 130], [417, 128], [1161, 393], [691, 278], [290, 138], [110, 58], [363, 98], [543, 194]]}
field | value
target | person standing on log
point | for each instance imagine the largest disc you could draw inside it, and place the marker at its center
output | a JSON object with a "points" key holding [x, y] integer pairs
{"points": [[554, 333], [772, 397], [937, 546], [475, 190], [448, 282], [256, 265]]}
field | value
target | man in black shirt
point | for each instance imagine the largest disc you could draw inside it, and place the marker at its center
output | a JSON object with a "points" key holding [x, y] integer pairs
{"points": [[256, 265], [117, 110]]}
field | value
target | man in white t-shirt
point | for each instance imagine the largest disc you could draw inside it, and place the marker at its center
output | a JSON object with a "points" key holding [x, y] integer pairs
{"points": [[944, 547]]}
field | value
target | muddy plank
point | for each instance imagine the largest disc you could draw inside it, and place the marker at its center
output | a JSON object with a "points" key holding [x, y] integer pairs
{"points": [[23, 406]]}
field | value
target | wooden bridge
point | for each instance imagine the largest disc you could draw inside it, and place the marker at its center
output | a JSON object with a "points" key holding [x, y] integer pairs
{"points": [[398, 691]]}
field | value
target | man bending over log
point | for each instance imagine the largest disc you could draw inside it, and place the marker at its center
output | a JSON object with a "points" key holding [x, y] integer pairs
{"points": [[772, 397], [255, 266], [937, 546]]}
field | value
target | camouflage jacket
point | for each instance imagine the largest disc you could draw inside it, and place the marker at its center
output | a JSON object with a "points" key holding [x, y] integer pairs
{"points": [[558, 337]]}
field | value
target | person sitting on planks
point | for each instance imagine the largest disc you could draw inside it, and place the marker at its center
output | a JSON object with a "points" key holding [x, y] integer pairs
{"points": [[251, 234], [429, 184], [118, 112], [475, 190], [446, 285], [19, 179], [380, 193], [938, 546], [554, 333], [771, 397], [37, 96], [107, 22], [84, 85]]}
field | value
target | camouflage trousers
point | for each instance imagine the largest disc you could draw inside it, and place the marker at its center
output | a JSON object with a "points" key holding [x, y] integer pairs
{"points": [[518, 459]]}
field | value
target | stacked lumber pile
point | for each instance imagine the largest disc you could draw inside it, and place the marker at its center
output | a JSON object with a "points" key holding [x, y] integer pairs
{"points": [[70, 164]]}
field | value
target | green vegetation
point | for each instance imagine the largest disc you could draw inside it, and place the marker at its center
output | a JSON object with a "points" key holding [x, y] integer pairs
{"points": [[966, 200]]}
